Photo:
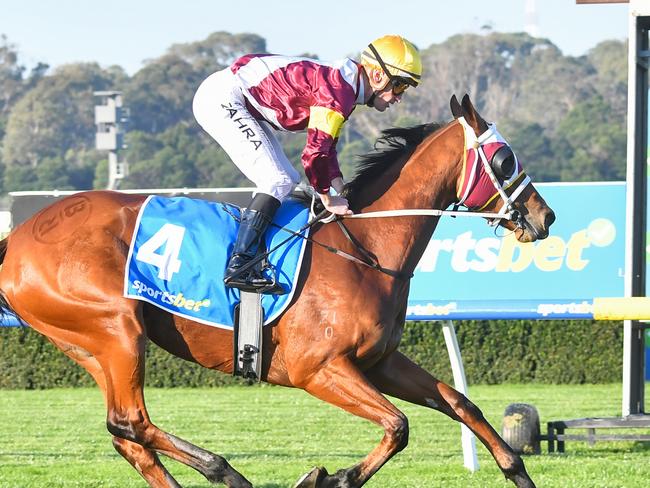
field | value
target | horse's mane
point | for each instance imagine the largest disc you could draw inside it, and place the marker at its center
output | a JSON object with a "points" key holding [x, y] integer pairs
{"points": [[398, 142]]}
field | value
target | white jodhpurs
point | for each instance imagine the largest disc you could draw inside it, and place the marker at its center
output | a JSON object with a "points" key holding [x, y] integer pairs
{"points": [[220, 109]]}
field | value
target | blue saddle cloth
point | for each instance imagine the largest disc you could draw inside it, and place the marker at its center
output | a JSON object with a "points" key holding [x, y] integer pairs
{"points": [[179, 253]]}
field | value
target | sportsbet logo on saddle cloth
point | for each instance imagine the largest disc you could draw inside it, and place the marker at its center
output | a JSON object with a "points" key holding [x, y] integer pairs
{"points": [[179, 253]]}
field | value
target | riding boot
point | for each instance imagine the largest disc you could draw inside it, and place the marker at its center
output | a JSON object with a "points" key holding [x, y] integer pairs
{"points": [[254, 221]]}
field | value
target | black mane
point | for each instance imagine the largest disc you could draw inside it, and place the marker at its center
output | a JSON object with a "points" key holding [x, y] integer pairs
{"points": [[399, 142]]}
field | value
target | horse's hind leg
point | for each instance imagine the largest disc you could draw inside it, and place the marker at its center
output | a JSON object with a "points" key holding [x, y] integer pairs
{"points": [[144, 460], [398, 376], [342, 384], [122, 362]]}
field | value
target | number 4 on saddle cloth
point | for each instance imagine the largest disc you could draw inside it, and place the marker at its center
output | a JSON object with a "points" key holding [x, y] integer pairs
{"points": [[180, 251]]}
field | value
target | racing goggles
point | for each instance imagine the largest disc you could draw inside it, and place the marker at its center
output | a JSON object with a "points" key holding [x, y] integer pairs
{"points": [[399, 84]]}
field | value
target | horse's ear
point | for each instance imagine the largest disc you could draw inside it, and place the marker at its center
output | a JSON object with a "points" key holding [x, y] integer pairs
{"points": [[472, 116], [456, 109]]}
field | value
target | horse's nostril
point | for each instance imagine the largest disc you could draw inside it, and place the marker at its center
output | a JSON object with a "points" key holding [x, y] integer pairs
{"points": [[550, 218]]}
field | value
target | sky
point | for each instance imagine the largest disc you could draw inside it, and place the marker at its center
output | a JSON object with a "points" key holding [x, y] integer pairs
{"points": [[128, 32]]}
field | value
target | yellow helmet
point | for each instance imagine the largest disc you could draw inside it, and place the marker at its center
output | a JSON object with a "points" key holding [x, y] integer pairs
{"points": [[396, 56]]}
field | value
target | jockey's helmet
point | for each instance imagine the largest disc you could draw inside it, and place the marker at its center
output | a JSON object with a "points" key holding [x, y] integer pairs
{"points": [[396, 56]]}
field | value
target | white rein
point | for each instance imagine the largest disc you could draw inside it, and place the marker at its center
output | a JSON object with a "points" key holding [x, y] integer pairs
{"points": [[506, 211]]}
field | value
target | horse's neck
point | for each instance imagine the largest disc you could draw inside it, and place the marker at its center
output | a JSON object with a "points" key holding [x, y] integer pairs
{"points": [[427, 180]]}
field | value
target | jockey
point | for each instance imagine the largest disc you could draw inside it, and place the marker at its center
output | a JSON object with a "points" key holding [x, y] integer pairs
{"points": [[242, 105]]}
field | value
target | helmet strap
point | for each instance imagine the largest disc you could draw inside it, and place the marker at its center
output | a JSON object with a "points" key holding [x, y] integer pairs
{"points": [[373, 96], [380, 61]]}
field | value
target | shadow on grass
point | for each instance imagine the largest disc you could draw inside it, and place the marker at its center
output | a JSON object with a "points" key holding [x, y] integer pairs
{"points": [[600, 450], [84, 458], [258, 485], [314, 457], [641, 446]]}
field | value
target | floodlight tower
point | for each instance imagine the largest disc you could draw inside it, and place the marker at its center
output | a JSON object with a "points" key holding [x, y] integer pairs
{"points": [[111, 119], [531, 26]]}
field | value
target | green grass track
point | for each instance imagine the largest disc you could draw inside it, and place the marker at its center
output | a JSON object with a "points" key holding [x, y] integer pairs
{"points": [[57, 438]]}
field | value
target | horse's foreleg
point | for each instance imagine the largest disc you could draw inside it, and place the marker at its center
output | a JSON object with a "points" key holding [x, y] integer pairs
{"points": [[145, 461], [398, 376], [340, 383]]}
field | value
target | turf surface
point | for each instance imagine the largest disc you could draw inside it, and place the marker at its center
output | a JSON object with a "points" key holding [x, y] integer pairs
{"points": [[57, 438]]}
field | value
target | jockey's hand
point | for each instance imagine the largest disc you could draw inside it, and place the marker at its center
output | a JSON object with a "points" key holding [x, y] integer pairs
{"points": [[335, 204]]}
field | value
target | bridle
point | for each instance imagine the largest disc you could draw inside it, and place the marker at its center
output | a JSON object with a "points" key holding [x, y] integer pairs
{"points": [[502, 160], [519, 180]]}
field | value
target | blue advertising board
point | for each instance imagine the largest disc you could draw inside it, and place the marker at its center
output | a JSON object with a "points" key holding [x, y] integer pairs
{"points": [[470, 270]]}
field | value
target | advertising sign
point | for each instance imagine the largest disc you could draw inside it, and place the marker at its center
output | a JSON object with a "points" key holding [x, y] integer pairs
{"points": [[471, 270]]}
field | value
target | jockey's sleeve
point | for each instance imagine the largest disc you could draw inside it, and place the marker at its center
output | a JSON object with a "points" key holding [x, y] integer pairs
{"points": [[319, 157]]}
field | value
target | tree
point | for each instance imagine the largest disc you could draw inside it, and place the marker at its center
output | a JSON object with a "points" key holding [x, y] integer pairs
{"points": [[507, 75], [142, 145], [55, 116], [217, 51], [349, 155], [55, 172], [214, 169], [11, 80], [160, 94], [11, 86], [73, 171], [598, 142], [534, 149], [564, 116], [609, 59], [171, 165], [20, 178]]}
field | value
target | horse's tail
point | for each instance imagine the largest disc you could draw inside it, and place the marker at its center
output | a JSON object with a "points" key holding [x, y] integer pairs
{"points": [[3, 249], [5, 309]]}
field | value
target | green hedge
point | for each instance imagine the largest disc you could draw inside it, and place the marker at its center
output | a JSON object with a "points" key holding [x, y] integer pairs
{"points": [[493, 352], [577, 351]]}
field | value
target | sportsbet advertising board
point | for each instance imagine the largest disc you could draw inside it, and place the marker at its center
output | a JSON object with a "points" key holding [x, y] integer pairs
{"points": [[470, 270]]}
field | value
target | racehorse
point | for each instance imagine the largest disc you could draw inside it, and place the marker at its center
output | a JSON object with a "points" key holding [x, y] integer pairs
{"points": [[63, 274]]}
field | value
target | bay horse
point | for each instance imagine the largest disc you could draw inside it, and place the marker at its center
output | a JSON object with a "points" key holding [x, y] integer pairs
{"points": [[63, 274]]}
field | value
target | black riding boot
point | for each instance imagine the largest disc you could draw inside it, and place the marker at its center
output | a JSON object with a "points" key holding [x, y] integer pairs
{"points": [[254, 221]]}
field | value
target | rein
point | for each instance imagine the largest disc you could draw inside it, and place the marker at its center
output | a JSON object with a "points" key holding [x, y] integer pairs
{"points": [[430, 213], [262, 256], [506, 212], [370, 259]]}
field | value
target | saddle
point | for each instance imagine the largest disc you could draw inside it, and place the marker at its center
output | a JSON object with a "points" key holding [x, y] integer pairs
{"points": [[179, 253]]}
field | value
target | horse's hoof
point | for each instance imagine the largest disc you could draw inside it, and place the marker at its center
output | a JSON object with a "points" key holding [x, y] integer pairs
{"points": [[312, 478], [522, 481]]}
